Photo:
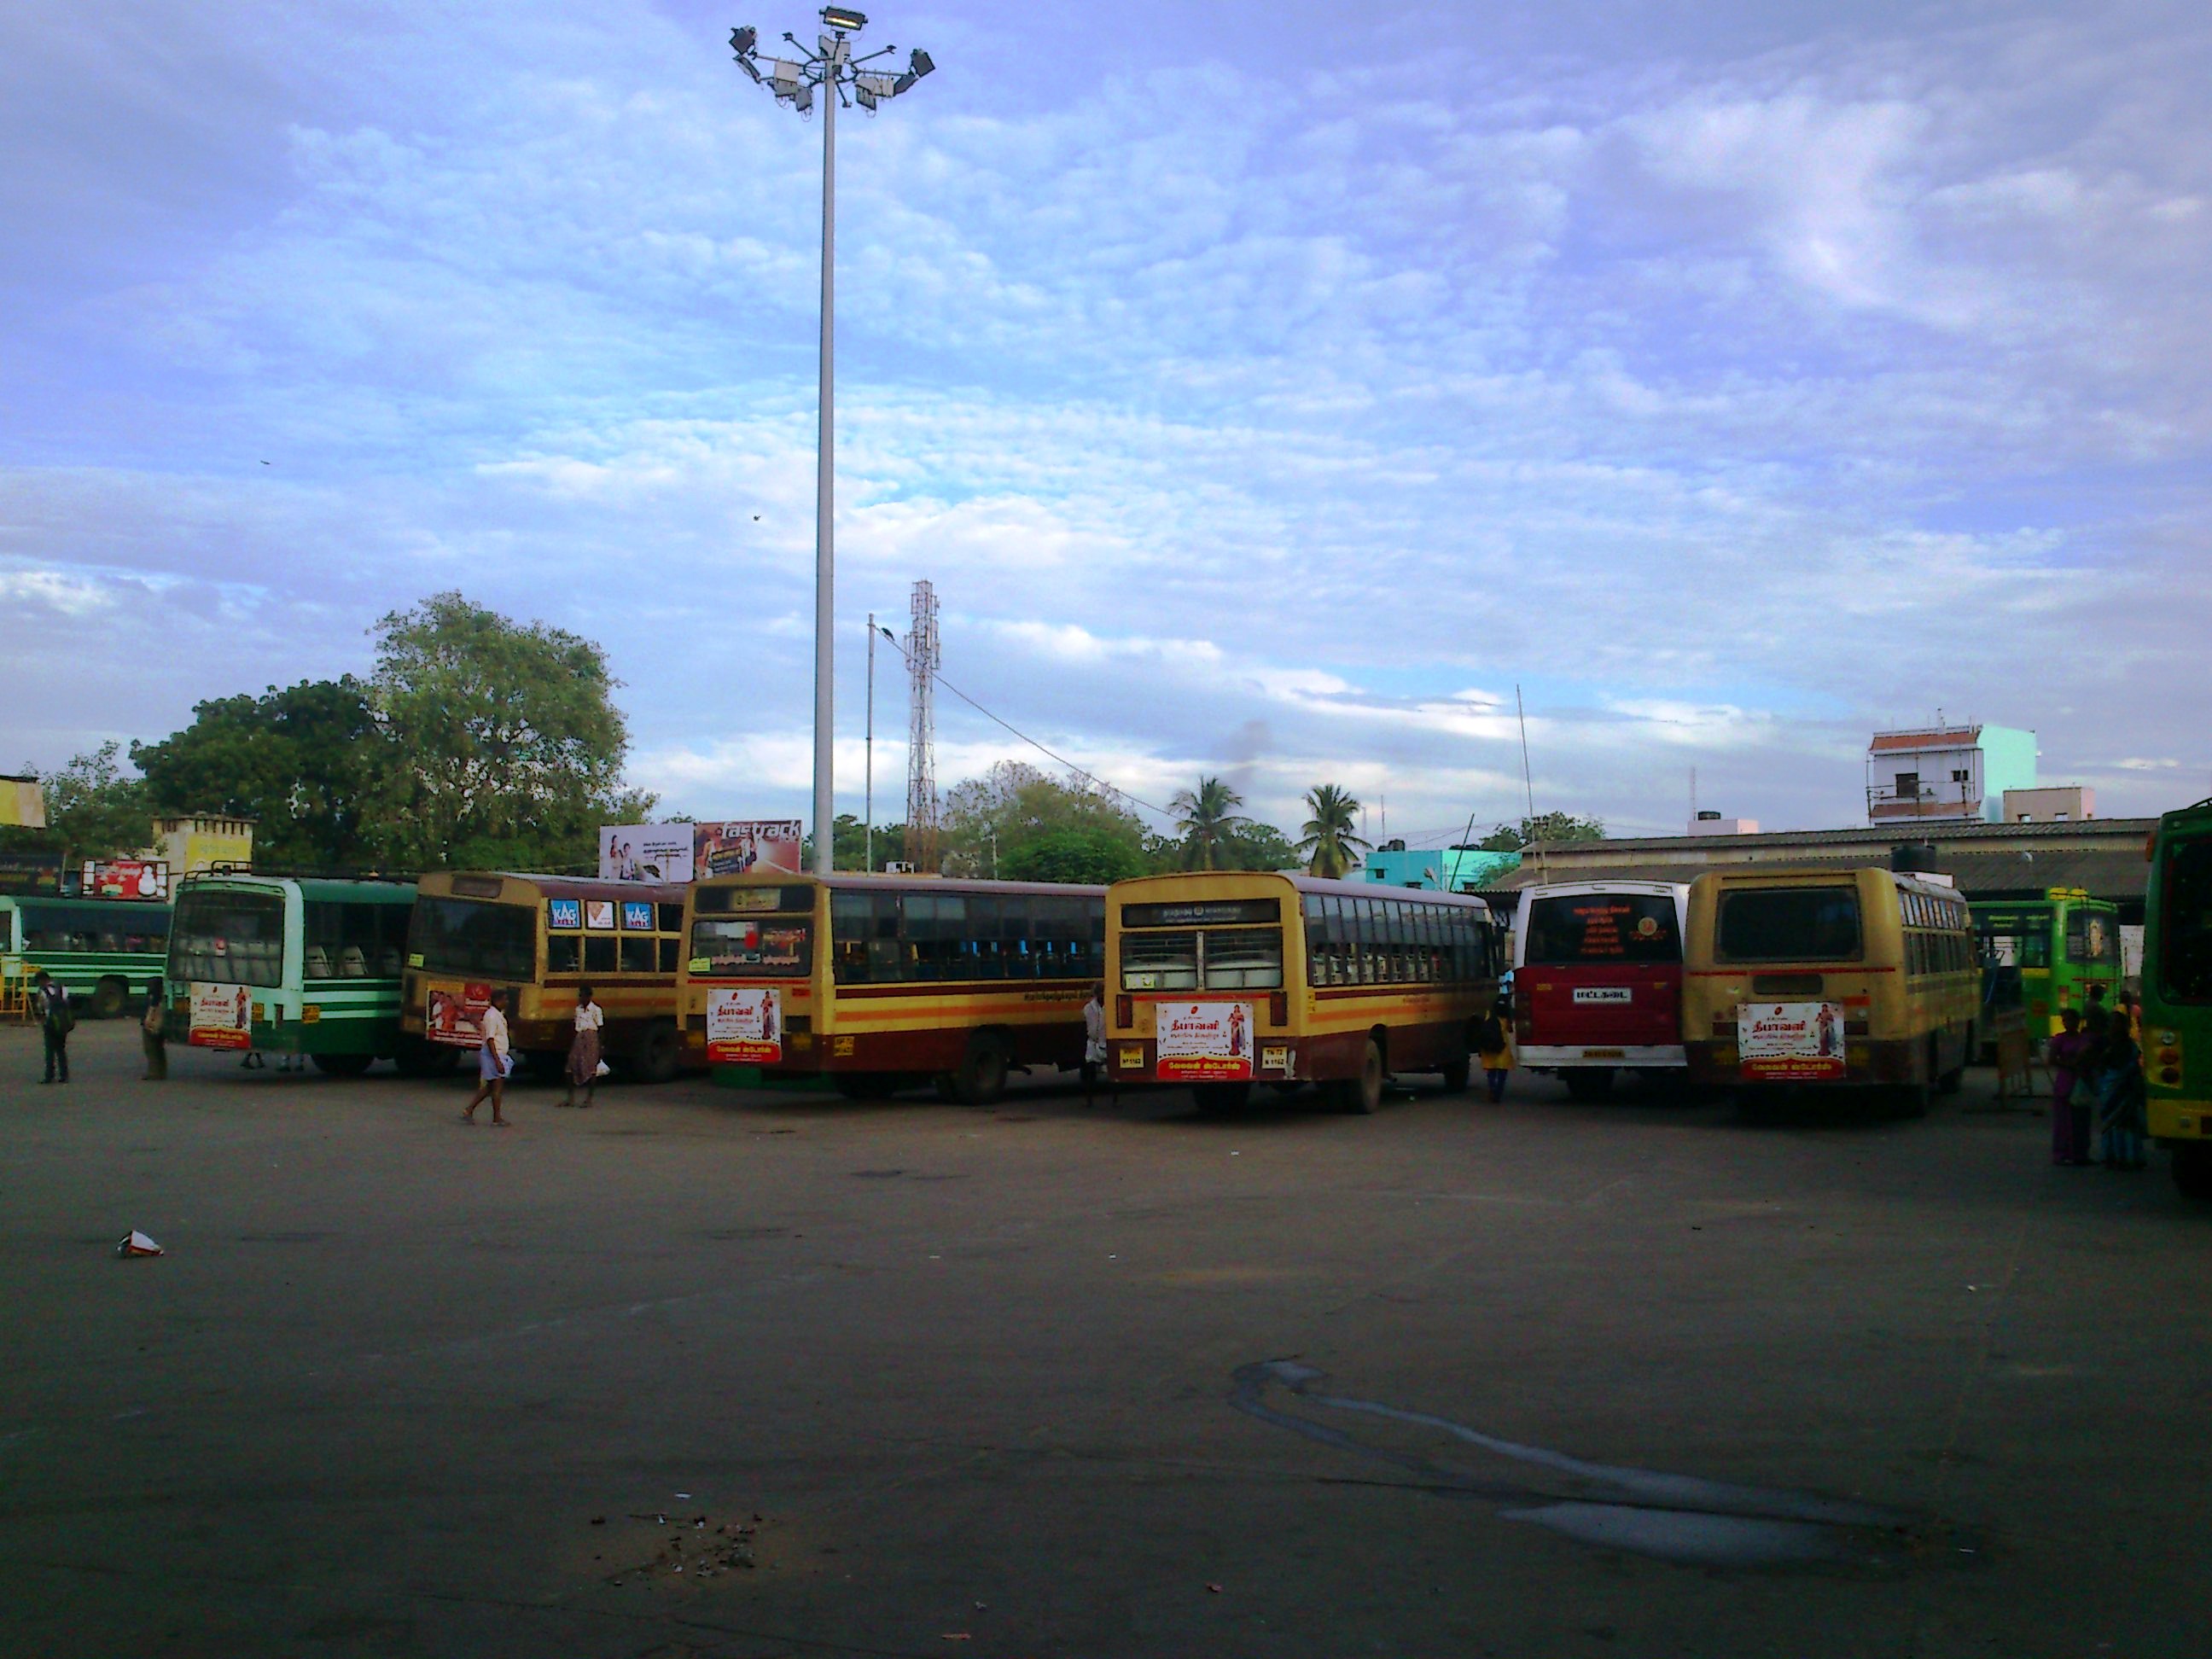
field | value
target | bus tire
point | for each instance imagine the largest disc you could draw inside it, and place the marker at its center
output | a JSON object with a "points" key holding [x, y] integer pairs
{"points": [[659, 1053], [342, 1065], [108, 997], [1361, 1096], [982, 1078], [1587, 1084], [1458, 1073], [2192, 1171], [1220, 1099]]}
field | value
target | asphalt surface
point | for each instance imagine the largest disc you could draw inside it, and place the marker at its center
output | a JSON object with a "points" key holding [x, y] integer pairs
{"points": [[1045, 1380]]}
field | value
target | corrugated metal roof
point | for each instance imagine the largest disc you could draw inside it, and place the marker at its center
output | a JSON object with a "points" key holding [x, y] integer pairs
{"points": [[1957, 737], [1881, 836]]}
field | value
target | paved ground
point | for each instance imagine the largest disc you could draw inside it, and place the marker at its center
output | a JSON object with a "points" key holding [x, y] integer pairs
{"points": [[998, 1384]]}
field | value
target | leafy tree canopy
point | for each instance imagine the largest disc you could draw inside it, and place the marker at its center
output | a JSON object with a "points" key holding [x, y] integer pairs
{"points": [[1207, 817], [94, 809], [1077, 855], [1329, 845], [990, 820], [1544, 826], [306, 762], [506, 742]]}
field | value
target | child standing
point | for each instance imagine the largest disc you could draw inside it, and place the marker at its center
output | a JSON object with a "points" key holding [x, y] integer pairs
{"points": [[1493, 1045]]}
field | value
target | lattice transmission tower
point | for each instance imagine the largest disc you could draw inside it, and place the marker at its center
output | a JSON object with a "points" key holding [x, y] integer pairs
{"points": [[921, 661]]}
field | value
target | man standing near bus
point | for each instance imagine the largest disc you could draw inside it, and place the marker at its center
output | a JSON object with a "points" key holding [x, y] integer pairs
{"points": [[57, 1019], [1094, 1038], [493, 1060]]}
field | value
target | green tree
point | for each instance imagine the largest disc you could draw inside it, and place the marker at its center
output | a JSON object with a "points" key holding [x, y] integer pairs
{"points": [[1207, 817], [1255, 845], [1544, 826], [507, 747], [94, 809], [849, 844], [1073, 855], [1329, 845], [308, 763], [989, 820]]}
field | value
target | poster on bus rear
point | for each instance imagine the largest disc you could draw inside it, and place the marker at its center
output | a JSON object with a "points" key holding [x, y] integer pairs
{"points": [[1790, 1041], [744, 1026], [453, 1014], [1203, 1042], [221, 1016]]}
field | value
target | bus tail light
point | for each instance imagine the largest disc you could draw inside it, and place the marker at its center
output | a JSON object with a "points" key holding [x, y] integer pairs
{"points": [[1278, 1007], [1125, 1012]]}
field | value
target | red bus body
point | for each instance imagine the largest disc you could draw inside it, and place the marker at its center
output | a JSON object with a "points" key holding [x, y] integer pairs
{"points": [[1597, 979]]}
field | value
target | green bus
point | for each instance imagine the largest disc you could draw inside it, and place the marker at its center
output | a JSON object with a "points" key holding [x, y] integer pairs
{"points": [[2177, 994], [103, 951], [2053, 951], [290, 965]]}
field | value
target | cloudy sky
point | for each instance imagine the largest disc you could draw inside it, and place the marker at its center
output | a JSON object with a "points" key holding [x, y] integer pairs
{"points": [[1267, 389]]}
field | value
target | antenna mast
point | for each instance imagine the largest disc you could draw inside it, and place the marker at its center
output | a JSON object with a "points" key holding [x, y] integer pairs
{"points": [[922, 660]]}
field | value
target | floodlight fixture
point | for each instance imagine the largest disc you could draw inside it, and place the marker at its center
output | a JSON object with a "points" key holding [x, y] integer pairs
{"points": [[829, 67]]}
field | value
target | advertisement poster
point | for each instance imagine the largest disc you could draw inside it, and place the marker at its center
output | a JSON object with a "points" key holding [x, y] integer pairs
{"points": [[1790, 1041], [646, 852], [30, 873], [221, 1016], [126, 879], [744, 1026], [454, 1015], [636, 918], [599, 913], [564, 914], [1204, 1041], [732, 849]]}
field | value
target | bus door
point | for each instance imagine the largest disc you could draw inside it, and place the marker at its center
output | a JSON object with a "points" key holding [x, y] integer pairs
{"points": [[1601, 979]]}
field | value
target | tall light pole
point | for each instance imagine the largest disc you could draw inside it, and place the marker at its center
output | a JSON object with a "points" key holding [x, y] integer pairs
{"points": [[838, 77]]}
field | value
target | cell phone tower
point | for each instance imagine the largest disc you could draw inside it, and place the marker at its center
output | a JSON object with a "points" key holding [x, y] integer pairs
{"points": [[921, 661]]}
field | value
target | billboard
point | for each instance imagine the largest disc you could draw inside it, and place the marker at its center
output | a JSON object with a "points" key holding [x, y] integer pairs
{"points": [[126, 879], [744, 1026], [646, 852], [1790, 1041], [733, 847], [30, 873], [1204, 1041], [219, 1016]]}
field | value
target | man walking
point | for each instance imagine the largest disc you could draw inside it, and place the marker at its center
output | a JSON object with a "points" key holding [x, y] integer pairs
{"points": [[494, 1061], [57, 1019]]}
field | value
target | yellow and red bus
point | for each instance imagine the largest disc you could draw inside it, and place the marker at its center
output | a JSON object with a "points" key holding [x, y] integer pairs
{"points": [[884, 982], [1220, 979], [1829, 978], [539, 937]]}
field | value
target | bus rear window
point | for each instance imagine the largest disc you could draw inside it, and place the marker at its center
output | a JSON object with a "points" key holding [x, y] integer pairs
{"points": [[1789, 924], [229, 937], [468, 936], [2092, 939], [2184, 953], [778, 947], [1598, 928]]}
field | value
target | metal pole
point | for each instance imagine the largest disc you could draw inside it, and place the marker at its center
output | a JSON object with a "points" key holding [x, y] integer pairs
{"points": [[826, 501], [868, 792]]}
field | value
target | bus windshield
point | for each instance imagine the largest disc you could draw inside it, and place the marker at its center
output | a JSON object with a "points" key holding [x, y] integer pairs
{"points": [[777, 946], [471, 936], [1789, 924], [2185, 960], [1597, 928], [2015, 938], [229, 936]]}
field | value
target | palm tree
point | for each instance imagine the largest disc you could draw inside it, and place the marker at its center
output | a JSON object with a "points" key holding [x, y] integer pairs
{"points": [[1329, 842], [1205, 816]]}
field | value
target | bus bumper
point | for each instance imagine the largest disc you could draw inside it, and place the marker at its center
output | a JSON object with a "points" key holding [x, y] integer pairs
{"points": [[1135, 1059], [1555, 1057], [1866, 1064], [2174, 1122]]}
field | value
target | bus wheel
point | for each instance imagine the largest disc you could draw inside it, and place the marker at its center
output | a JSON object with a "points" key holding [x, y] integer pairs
{"points": [[982, 1078], [658, 1052], [1459, 1071], [2192, 1171], [1587, 1083], [342, 1065], [1220, 1097], [1360, 1095], [108, 998]]}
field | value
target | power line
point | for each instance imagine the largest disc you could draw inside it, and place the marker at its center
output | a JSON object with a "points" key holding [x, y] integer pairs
{"points": [[1080, 771]]}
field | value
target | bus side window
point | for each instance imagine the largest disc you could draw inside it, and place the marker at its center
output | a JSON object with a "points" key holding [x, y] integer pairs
{"points": [[637, 954], [1018, 956], [672, 952], [671, 920], [600, 953], [850, 916], [563, 953]]}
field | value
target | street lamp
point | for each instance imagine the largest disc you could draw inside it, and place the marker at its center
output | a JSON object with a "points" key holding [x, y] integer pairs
{"points": [[831, 70]]}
